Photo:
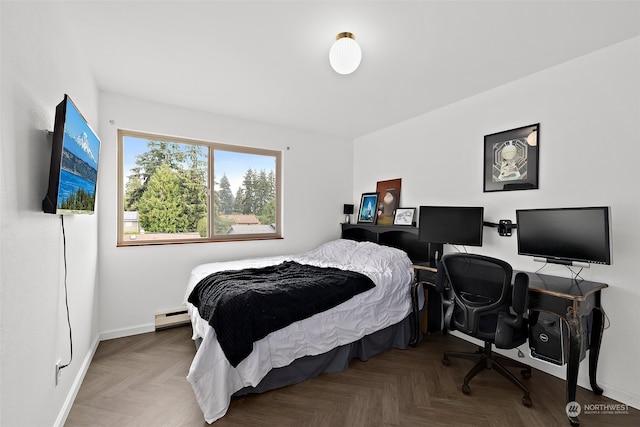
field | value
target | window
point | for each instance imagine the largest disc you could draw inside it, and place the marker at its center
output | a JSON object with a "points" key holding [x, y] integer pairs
{"points": [[179, 190]]}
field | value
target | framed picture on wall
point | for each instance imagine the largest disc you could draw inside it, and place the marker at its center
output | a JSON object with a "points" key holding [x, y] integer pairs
{"points": [[511, 159], [368, 205], [404, 216]]}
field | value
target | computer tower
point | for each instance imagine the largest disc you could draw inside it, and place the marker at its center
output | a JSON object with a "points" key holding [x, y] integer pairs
{"points": [[549, 337]]}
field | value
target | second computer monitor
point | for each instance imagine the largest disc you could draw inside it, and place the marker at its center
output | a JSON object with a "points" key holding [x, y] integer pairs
{"points": [[455, 225]]}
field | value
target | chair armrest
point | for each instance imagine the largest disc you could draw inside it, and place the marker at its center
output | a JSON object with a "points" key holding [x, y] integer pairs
{"points": [[447, 306], [507, 324], [520, 293]]}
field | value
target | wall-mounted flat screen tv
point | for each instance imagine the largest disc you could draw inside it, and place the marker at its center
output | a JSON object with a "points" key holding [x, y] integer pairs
{"points": [[73, 173], [455, 225], [565, 235]]}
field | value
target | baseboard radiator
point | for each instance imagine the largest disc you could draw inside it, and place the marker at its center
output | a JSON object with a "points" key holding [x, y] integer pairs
{"points": [[172, 318]]}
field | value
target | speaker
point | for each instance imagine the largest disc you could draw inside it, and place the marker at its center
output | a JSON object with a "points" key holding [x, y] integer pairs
{"points": [[549, 337]]}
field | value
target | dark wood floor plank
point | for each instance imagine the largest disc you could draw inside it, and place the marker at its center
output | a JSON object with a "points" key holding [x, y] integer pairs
{"points": [[141, 381]]}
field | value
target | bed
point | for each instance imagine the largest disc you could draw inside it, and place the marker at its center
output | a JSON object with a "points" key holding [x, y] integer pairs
{"points": [[369, 323]]}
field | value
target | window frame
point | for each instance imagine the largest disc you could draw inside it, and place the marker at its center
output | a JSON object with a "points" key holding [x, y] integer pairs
{"points": [[211, 148]]}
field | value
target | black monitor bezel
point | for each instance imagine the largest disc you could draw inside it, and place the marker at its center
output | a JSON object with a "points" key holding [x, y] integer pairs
{"points": [[549, 256], [475, 241]]}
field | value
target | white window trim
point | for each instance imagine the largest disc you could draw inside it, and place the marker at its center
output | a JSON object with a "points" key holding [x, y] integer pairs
{"points": [[277, 234]]}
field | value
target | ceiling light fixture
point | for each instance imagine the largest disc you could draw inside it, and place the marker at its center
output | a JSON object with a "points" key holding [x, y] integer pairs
{"points": [[345, 54]]}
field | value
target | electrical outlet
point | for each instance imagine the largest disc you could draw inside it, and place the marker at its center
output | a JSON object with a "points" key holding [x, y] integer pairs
{"points": [[58, 372]]}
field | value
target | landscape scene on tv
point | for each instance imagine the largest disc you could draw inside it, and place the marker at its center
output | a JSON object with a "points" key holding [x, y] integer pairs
{"points": [[79, 164]]}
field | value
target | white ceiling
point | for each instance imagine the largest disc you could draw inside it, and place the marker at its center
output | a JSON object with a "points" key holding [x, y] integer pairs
{"points": [[268, 60]]}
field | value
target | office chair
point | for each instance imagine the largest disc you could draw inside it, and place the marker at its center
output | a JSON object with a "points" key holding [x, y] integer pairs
{"points": [[482, 303]]}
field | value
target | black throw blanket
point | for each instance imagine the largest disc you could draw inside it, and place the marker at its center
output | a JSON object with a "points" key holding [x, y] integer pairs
{"points": [[244, 306]]}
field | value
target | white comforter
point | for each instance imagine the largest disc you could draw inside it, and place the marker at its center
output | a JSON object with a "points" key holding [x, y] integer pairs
{"points": [[213, 378]]}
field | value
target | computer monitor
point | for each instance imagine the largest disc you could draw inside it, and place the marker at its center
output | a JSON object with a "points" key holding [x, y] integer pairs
{"points": [[455, 225], [565, 235]]}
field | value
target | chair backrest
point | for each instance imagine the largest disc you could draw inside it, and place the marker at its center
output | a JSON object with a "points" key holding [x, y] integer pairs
{"points": [[481, 289]]}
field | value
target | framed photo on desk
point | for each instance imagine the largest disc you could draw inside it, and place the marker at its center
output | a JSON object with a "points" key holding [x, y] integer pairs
{"points": [[404, 216]]}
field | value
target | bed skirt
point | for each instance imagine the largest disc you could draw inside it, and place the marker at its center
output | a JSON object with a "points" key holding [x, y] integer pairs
{"points": [[336, 360]]}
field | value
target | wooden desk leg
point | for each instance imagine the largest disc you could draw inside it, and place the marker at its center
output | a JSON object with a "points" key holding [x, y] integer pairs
{"points": [[424, 322], [416, 313], [573, 364], [594, 344]]}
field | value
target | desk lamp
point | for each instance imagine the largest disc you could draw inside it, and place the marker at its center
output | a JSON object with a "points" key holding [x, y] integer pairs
{"points": [[347, 210]]}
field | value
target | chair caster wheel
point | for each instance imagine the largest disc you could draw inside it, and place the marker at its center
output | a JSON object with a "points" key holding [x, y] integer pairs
{"points": [[466, 389], [526, 401], [525, 374], [446, 361]]}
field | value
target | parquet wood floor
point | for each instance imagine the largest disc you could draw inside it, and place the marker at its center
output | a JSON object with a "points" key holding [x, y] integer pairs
{"points": [[140, 381]]}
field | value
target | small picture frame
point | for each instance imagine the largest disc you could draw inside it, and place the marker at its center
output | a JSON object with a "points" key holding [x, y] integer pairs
{"points": [[404, 216], [368, 208], [511, 159]]}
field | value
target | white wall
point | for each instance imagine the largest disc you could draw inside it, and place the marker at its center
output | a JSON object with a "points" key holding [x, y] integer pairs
{"points": [[587, 108], [137, 282], [589, 115], [40, 65]]}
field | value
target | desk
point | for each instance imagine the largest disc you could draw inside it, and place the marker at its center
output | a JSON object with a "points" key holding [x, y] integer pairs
{"points": [[572, 300], [423, 274]]}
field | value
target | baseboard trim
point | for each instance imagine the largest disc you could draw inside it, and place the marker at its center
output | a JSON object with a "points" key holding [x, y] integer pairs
{"points": [[623, 396], [77, 382], [126, 332]]}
